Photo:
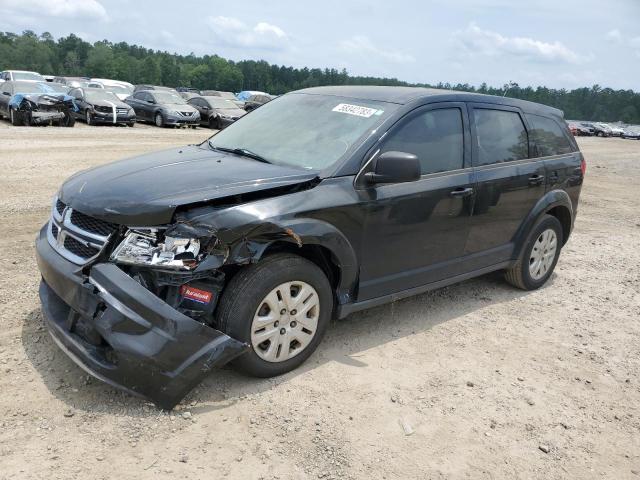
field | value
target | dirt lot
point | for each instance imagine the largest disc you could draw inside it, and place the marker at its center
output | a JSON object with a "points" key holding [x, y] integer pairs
{"points": [[471, 381]]}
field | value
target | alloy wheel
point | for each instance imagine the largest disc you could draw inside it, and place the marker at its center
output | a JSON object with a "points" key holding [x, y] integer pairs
{"points": [[543, 253], [285, 322]]}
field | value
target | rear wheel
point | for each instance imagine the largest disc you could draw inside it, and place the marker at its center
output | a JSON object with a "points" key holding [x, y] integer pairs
{"points": [[539, 255], [281, 307]]}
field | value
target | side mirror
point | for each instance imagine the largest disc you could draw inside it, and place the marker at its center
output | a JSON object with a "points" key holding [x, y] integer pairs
{"points": [[395, 167]]}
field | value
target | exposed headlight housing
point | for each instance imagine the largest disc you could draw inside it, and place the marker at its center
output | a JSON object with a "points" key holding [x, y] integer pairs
{"points": [[144, 248]]}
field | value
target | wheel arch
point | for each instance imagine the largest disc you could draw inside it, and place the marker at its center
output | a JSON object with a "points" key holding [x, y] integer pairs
{"points": [[556, 203], [324, 245]]}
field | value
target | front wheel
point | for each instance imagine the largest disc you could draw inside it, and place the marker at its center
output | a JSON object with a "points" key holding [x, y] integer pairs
{"points": [[281, 307], [88, 117], [539, 255], [15, 117], [159, 120]]}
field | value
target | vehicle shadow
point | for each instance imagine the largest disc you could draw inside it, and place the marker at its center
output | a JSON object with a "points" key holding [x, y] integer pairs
{"points": [[345, 342]]}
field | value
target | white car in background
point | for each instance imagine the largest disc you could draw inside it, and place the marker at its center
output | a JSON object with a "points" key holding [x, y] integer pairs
{"points": [[616, 131], [121, 89], [21, 75]]}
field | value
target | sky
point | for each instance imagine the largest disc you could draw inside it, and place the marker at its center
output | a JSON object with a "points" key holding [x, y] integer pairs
{"points": [[555, 43]]}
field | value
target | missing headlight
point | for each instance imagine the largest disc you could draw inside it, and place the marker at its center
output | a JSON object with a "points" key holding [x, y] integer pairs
{"points": [[145, 247]]}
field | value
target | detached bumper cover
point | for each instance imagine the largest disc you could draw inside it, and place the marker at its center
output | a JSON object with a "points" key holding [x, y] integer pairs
{"points": [[39, 117], [124, 335]]}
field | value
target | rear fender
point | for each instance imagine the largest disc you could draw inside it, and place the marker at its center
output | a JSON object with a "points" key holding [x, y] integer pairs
{"points": [[552, 199]]}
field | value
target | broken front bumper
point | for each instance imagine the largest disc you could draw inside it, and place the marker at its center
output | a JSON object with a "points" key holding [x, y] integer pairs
{"points": [[123, 334], [38, 118]]}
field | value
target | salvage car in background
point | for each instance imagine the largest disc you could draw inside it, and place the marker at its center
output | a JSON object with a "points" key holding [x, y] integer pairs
{"points": [[216, 112], [632, 132], [21, 75], [255, 101], [121, 89], [99, 106], [227, 95], [323, 202], [579, 130], [77, 82], [35, 103], [164, 108]]}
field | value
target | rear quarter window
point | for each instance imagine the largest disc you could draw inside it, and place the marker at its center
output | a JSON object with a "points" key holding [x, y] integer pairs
{"points": [[548, 136]]}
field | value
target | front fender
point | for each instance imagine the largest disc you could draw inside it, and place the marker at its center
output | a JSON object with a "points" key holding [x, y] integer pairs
{"points": [[320, 233], [552, 199]]}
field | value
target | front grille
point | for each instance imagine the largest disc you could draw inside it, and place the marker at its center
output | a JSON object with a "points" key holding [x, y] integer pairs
{"points": [[77, 237], [60, 207], [74, 246], [100, 108], [90, 224], [121, 111], [186, 114]]}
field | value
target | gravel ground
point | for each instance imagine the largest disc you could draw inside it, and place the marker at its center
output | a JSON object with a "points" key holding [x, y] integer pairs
{"points": [[477, 380]]}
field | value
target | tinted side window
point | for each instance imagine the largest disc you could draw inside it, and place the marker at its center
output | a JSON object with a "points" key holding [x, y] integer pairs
{"points": [[501, 136], [435, 137], [548, 136], [6, 88], [138, 96]]}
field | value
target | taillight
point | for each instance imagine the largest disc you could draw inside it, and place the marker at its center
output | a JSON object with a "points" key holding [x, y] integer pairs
{"points": [[583, 166]]}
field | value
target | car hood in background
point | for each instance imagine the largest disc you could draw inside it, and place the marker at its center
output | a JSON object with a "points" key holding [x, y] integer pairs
{"points": [[110, 104], [231, 112], [178, 107], [145, 190]]}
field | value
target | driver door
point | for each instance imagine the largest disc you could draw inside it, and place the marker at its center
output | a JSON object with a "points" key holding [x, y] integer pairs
{"points": [[415, 232]]}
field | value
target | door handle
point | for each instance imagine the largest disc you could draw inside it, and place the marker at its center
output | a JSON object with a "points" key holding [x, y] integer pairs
{"points": [[461, 192], [536, 179]]}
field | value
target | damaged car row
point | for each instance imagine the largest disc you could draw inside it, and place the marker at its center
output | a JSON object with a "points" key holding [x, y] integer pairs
{"points": [[100, 101], [321, 203]]}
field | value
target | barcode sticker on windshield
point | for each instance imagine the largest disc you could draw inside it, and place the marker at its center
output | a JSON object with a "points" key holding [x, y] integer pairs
{"points": [[356, 110]]}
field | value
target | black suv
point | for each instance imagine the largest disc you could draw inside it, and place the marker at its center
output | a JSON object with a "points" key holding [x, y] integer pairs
{"points": [[321, 203]]}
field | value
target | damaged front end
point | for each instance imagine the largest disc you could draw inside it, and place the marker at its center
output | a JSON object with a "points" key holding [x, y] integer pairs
{"points": [[137, 316], [42, 109]]}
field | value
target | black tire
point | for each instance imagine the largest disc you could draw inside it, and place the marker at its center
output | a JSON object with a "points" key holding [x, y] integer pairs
{"points": [[158, 120], [88, 117], [15, 118], [131, 124], [68, 120], [245, 293], [520, 275]]}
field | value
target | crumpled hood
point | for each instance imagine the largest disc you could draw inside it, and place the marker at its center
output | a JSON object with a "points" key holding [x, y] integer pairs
{"points": [[40, 98], [145, 190]]}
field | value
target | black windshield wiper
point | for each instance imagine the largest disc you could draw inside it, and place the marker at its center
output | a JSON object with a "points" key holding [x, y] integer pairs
{"points": [[242, 152]]}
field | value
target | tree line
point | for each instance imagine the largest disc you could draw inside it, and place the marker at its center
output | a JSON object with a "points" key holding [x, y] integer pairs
{"points": [[72, 56]]}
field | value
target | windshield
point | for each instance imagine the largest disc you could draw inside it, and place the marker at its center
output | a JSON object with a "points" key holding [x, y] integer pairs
{"points": [[217, 102], [57, 87], [168, 97], [28, 76], [305, 131], [119, 89], [32, 87], [102, 95]]}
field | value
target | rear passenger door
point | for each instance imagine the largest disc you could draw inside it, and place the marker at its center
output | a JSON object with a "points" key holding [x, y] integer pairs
{"points": [[509, 181]]}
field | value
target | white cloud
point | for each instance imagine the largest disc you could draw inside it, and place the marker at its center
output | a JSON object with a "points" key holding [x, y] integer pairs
{"points": [[475, 40], [361, 45], [235, 33], [88, 9], [614, 36]]}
